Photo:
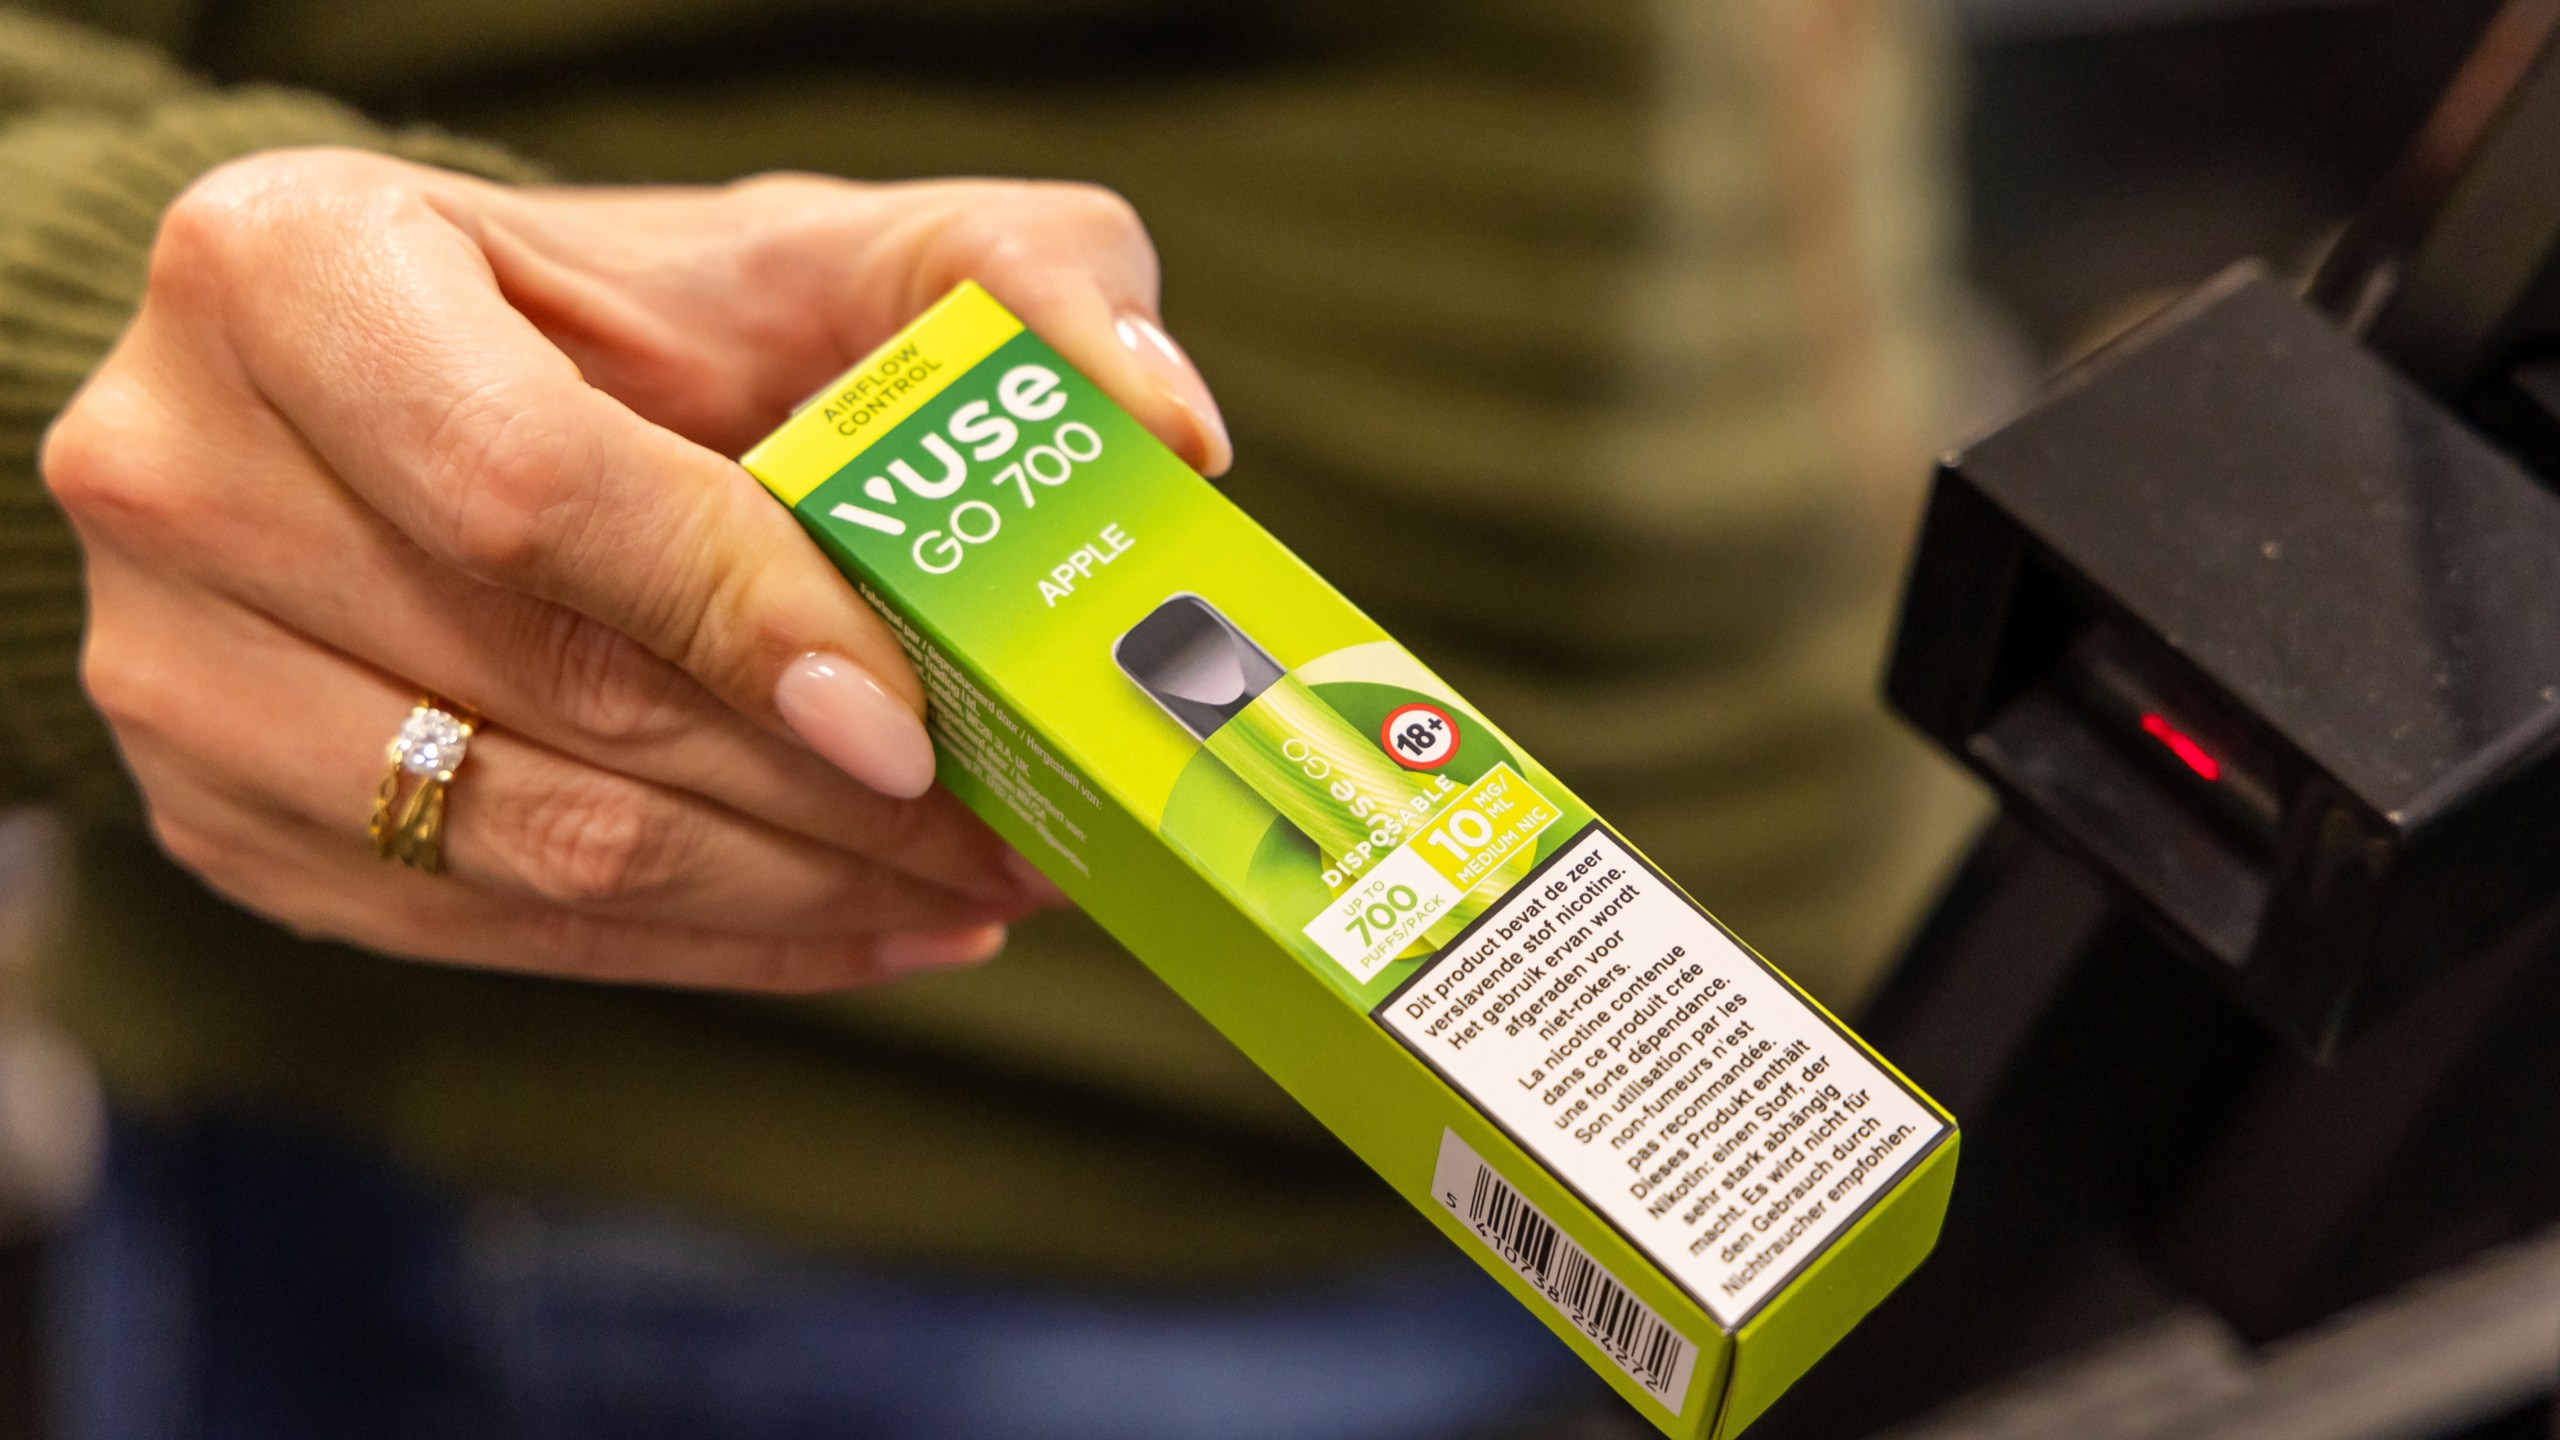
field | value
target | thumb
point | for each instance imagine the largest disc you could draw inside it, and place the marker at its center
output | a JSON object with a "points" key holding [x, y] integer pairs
{"points": [[1074, 262]]}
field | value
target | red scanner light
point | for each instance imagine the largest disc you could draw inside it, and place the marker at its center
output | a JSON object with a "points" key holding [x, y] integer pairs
{"points": [[2182, 745]]}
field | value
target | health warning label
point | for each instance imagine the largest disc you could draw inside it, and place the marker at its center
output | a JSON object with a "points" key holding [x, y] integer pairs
{"points": [[1688, 1095]]}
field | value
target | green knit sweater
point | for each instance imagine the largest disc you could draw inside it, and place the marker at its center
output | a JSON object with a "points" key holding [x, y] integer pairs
{"points": [[1653, 287]]}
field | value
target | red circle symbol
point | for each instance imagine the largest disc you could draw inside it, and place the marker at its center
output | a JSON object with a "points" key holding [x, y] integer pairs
{"points": [[1419, 736]]}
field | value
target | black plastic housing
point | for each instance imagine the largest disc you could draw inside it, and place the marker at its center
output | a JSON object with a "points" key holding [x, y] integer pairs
{"points": [[2235, 544]]}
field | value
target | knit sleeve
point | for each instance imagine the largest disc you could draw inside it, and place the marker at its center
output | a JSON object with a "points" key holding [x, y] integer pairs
{"points": [[97, 136]]}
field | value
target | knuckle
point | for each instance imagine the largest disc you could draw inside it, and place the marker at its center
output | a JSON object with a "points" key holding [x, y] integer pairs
{"points": [[119, 466], [1098, 208], [1083, 217], [229, 239], [722, 625], [609, 691], [135, 695], [240, 209], [95, 459], [503, 477], [206, 230], [79, 458], [189, 844], [1040, 234], [602, 841]]}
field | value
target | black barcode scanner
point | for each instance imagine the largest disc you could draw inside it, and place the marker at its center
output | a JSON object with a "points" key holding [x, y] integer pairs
{"points": [[2253, 619], [2258, 610], [2269, 635]]}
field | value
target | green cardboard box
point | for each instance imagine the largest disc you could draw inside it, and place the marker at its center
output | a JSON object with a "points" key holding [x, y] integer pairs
{"points": [[1688, 1169]]}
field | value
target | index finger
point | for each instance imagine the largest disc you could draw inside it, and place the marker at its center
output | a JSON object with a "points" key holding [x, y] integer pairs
{"points": [[1072, 261], [374, 323]]}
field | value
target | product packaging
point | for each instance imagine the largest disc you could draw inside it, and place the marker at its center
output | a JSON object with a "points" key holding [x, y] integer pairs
{"points": [[1688, 1169]]}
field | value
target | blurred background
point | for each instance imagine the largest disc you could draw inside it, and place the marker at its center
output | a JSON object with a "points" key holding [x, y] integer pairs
{"points": [[2115, 152], [2118, 149]]}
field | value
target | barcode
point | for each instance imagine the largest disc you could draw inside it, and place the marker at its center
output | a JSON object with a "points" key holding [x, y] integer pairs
{"points": [[1644, 1345]]}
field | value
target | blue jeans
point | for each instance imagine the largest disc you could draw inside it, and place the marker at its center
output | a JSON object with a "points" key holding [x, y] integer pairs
{"points": [[239, 1280]]}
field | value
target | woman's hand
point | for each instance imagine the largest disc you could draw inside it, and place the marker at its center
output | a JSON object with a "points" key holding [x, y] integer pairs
{"points": [[381, 430]]}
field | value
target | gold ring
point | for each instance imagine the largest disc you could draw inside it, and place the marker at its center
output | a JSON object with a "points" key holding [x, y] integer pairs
{"points": [[429, 748]]}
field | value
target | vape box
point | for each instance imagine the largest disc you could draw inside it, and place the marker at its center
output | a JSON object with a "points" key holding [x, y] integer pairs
{"points": [[1689, 1170]]}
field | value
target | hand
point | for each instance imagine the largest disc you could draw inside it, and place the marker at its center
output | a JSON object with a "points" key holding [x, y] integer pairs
{"points": [[379, 429]]}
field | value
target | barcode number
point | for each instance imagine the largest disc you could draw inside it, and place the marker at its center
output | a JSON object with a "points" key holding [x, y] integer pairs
{"points": [[1642, 1343]]}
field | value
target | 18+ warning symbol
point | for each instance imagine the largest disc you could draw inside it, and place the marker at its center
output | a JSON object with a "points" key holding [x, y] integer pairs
{"points": [[1419, 736]]}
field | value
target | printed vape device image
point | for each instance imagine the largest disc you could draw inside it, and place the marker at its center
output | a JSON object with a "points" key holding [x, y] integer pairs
{"points": [[1683, 1165], [1335, 784], [1324, 777], [1195, 663]]}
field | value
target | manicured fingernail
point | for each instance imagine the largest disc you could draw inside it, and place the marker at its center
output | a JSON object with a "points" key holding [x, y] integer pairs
{"points": [[1173, 374], [910, 951], [1034, 885], [865, 731]]}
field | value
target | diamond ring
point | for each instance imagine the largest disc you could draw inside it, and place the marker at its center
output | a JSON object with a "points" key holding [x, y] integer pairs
{"points": [[429, 748]]}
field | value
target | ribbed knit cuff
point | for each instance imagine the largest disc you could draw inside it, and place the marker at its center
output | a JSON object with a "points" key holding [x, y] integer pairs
{"points": [[81, 192], [49, 65]]}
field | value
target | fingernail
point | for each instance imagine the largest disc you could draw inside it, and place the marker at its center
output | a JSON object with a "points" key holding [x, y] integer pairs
{"points": [[1034, 885], [862, 729], [1180, 382], [909, 951]]}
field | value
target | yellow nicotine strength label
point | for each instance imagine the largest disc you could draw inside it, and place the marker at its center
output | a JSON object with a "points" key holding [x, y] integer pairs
{"points": [[867, 402], [1407, 894]]}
